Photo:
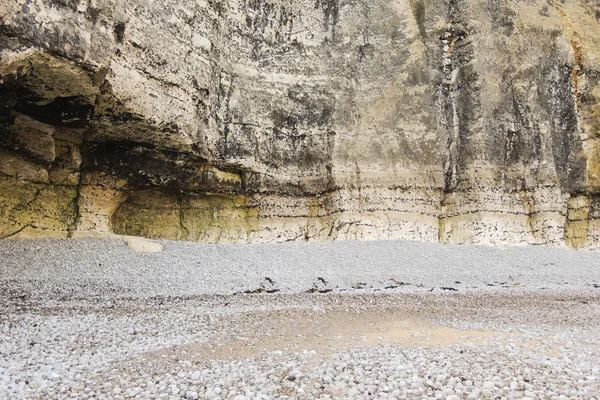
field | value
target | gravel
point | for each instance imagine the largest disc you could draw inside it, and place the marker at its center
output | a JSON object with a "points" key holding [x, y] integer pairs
{"points": [[91, 319], [92, 267]]}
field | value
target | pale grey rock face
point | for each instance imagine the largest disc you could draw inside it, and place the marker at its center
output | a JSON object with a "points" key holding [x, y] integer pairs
{"points": [[258, 121]]}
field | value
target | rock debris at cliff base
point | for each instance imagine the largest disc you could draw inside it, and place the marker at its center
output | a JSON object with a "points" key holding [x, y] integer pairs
{"points": [[95, 319], [276, 120]]}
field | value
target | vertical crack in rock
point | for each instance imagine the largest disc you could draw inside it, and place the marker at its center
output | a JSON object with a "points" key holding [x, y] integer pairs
{"points": [[358, 185], [226, 86], [528, 201], [453, 104], [577, 225], [184, 230], [450, 94], [576, 73], [77, 200]]}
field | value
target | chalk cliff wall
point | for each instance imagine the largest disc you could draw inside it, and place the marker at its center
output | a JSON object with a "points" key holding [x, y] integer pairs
{"points": [[459, 121]]}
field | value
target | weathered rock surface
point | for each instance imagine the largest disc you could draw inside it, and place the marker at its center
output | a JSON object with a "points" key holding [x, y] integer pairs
{"points": [[457, 121]]}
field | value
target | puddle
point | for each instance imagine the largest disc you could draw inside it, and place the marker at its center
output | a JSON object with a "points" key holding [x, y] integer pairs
{"points": [[408, 333], [288, 332]]}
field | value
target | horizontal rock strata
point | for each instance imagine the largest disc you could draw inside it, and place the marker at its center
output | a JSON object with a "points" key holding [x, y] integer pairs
{"points": [[457, 121]]}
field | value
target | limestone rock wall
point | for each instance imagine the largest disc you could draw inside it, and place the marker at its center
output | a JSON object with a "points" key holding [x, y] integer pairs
{"points": [[459, 121]]}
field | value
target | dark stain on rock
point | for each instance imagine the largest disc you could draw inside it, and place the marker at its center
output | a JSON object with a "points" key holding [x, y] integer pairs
{"points": [[262, 15], [8, 100], [331, 14], [25, 94], [502, 17], [366, 52], [146, 166], [119, 31], [569, 160], [73, 111], [419, 12], [523, 142], [70, 4], [93, 13]]}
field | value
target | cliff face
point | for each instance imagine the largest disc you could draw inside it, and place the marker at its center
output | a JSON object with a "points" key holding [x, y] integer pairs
{"points": [[458, 121]]}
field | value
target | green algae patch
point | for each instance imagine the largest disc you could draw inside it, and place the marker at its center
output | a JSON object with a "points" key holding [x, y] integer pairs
{"points": [[195, 217], [35, 210], [577, 225]]}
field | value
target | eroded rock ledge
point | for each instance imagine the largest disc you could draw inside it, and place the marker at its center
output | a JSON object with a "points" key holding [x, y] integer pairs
{"points": [[456, 121]]}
